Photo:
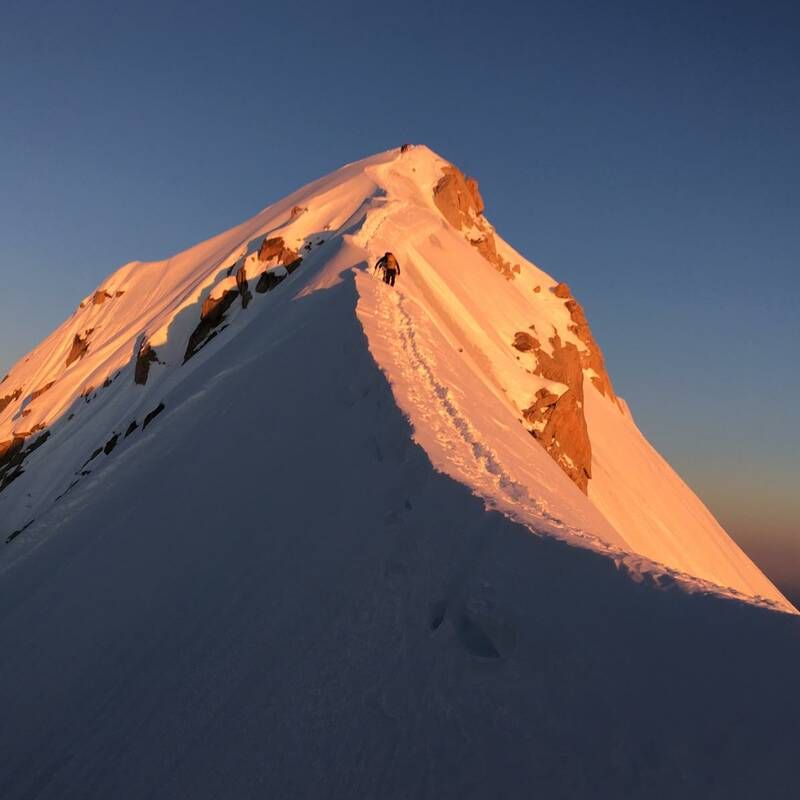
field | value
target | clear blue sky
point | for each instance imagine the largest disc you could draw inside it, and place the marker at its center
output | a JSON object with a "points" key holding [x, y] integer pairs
{"points": [[645, 152]]}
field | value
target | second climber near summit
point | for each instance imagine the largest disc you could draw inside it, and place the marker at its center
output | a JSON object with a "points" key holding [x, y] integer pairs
{"points": [[390, 266]]}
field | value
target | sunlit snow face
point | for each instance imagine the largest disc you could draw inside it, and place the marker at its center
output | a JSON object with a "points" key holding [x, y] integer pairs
{"points": [[471, 338]]}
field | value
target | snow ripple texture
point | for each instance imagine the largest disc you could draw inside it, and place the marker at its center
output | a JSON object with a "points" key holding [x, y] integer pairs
{"points": [[473, 462]]}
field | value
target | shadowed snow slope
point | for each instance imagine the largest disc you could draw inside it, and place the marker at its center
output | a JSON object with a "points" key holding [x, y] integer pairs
{"points": [[324, 557]]}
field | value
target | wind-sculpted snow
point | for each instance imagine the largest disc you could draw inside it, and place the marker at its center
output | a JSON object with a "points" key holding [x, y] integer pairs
{"points": [[436, 399], [281, 530], [468, 386], [459, 450], [469, 316], [275, 591]]}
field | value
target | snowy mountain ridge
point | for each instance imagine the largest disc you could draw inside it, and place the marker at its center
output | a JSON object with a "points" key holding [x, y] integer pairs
{"points": [[489, 358], [275, 528]]}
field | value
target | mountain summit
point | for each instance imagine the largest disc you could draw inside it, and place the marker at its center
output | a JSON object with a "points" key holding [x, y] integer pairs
{"points": [[491, 360], [274, 527]]}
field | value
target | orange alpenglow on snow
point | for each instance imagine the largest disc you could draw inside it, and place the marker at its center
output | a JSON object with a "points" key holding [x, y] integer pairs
{"points": [[491, 360]]}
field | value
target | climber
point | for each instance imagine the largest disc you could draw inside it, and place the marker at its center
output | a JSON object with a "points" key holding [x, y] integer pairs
{"points": [[390, 266]]}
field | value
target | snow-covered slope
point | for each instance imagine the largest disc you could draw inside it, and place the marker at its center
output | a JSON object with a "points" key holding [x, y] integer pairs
{"points": [[288, 583], [481, 347]]}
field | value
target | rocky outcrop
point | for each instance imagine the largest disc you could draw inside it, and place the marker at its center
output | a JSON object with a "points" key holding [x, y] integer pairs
{"points": [[35, 429], [100, 296], [97, 299], [486, 246], [269, 280], [297, 211], [13, 535], [40, 391], [211, 316], [524, 342], [107, 448], [111, 444], [13, 453], [592, 357], [459, 199], [96, 452], [8, 450], [152, 415], [274, 253], [146, 356], [9, 398], [80, 344], [557, 421], [562, 290]]}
